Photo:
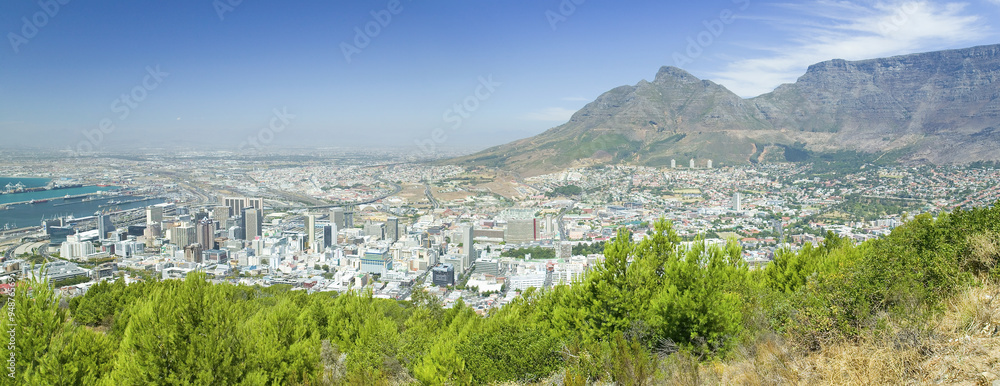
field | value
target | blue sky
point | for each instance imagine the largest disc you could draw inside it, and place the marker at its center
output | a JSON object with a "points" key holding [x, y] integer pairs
{"points": [[214, 73]]}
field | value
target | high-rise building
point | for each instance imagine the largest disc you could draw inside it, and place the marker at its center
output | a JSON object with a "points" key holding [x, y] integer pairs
{"points": [[206, 233], [709, 164], [183, 236], [673, 164], [692, 163], [236, 233], [104, 226], [468, 248], [221, 214], [238, 204], [392, 229], [337, 217], [349, 219], [737, 202], [310, 225], [443, 275], [154, 214], [375, 230], [329, 235], [254, 219], [192, 253]]}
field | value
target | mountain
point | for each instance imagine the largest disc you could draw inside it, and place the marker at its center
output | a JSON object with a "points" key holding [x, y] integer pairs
{"points": [[941, 107]]}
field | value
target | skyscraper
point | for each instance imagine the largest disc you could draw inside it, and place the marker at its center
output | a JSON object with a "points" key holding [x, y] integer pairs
{"points": [[392, 229], [329, 235], [310, 225], [709, 164], [238, 204], [253, 218], [104, 226], [154, 214], [206, 233], [183, 236], [692, 163], [737, 202], [337, 217], [468, 248], [221, 214], [673, 164]]}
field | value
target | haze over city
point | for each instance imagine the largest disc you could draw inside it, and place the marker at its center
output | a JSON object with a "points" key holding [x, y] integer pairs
{"points": [[382, 73], [554, 192]]}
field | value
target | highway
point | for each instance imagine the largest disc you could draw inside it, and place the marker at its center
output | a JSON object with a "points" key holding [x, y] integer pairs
{"points": [[430, 195], [559, 219]]}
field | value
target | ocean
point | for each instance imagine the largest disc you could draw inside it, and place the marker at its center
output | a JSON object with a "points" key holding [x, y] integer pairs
{"points": [[23, 215]]}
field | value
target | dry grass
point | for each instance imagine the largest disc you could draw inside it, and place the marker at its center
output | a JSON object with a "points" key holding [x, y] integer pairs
{"points": [[962, 348]]}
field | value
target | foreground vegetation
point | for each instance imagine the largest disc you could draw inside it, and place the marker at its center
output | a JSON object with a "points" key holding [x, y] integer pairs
{"points": [[655, 312]]}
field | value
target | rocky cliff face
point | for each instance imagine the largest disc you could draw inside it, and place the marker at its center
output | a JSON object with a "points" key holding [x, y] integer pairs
{"points": [[942, 107]]}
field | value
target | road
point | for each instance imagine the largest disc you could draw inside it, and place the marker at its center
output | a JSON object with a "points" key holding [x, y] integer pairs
{"points": [[559, 219], [430, 195], [396, 188]]}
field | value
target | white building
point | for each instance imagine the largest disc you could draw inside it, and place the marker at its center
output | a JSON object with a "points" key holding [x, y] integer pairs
{"points": [[76, 250]]}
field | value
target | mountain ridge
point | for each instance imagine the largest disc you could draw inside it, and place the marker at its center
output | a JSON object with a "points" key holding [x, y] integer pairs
{"points": [[943, 106]]}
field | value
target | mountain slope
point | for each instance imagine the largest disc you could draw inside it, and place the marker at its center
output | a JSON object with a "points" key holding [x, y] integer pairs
{"points": [[943, 107]]}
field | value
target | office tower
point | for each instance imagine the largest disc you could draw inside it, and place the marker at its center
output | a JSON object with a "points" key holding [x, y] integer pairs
{"points": [[375, 230], [236, 233], [692, 163], [206, 233], [253, 218], [238, 204], [154, 214], [443, 275], [183, 236], [329, 235], [392, 229], [310, 226], [673, 164], [709, 164], [192, 253], [468, 248], [337, 217], [349, 219], [737, 202], [104, 226], [550, 224], [221, 214]]}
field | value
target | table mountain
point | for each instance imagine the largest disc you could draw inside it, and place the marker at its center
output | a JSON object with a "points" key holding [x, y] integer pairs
{"points": [[939, 107]]}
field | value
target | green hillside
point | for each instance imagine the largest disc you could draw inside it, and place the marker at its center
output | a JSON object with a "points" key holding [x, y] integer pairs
{"points": [[648, 311]]}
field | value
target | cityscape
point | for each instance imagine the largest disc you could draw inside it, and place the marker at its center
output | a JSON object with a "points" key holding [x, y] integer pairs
{"points": [[387, 225], [535, 193]]}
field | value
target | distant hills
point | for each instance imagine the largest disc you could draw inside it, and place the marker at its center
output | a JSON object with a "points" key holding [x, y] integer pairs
{"points": [[940, 107]]}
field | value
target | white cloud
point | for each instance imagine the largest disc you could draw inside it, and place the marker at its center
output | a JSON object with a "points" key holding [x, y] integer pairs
{"points": [[831, 29], [551, 114]]}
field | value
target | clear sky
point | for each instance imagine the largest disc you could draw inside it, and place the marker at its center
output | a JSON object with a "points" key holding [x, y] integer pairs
{"points": [[212, 74]]}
